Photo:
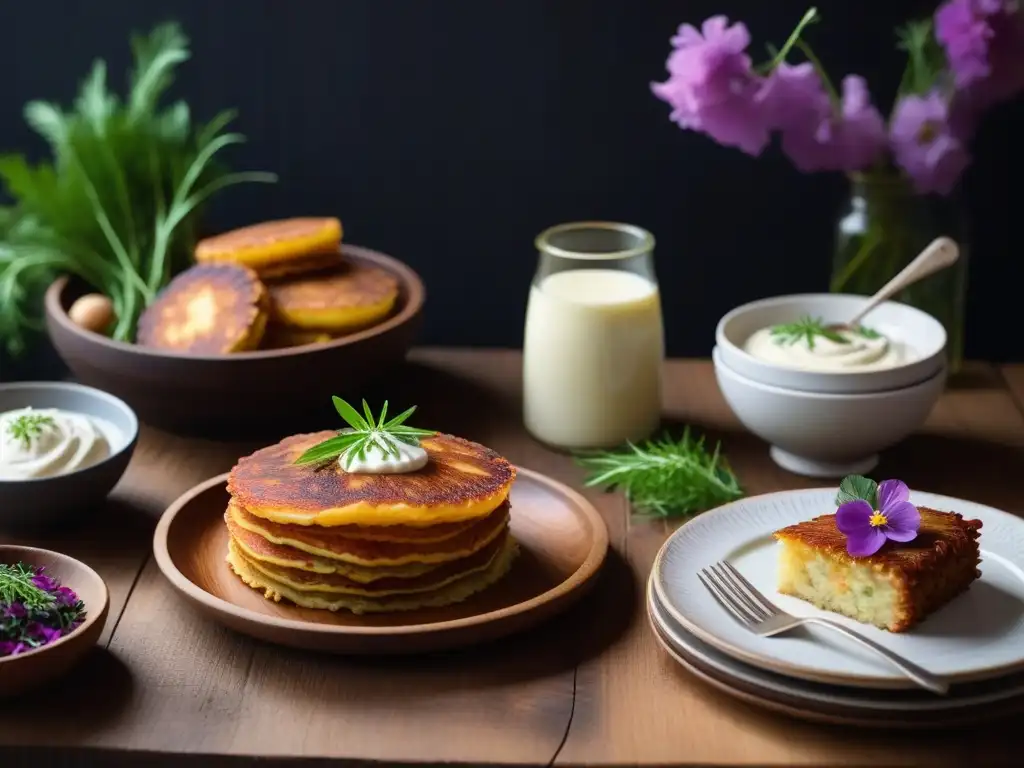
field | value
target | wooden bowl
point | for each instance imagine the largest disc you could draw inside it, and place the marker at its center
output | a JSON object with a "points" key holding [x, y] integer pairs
{"points": [[37, 668], [562, 538], [245, 393]]}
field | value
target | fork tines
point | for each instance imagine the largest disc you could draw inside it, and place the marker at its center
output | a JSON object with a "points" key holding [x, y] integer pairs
{"points": [[737, 595]]}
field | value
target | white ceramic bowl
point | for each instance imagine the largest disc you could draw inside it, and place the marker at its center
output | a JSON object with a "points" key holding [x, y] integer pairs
{"points": [[918, 330], [827, 434]]}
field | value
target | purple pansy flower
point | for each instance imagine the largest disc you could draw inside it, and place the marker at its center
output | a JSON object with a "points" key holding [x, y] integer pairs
{"points": [[926, 145], [867, 529], [712, 86]]}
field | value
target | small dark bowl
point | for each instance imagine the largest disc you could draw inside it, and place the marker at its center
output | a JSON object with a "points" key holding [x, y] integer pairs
{"points": [[46, 501], [247, 393]]}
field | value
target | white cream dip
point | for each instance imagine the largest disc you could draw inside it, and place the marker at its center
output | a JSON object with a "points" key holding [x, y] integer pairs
{"points": [[839, 351], [36, 443], [376, 461]]}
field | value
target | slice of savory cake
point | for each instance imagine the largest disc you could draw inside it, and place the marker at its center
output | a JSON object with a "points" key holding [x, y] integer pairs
{"points": [[894, 588]]}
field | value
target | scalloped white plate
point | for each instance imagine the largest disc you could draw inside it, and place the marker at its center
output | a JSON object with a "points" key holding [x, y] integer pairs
{"points": [[978, 636]]}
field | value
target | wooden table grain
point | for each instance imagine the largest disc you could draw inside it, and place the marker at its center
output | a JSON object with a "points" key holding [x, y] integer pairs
{"points": [[168, 687]]}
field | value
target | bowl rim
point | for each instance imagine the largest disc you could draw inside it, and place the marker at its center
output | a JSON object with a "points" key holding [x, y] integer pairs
{"points": [[719, 363], [131, 436], [407, 276], [93, 614], [722, 340]]}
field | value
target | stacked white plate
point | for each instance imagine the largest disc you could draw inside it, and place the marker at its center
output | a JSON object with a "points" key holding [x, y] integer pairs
{"points": [[976, 642]]}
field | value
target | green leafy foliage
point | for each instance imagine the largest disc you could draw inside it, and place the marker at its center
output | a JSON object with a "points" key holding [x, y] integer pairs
{"points": [[117, 202], [365, 432], [854, 487], [665, 478]]}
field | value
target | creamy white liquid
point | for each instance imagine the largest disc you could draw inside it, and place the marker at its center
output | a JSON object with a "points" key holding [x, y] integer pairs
{"points": [[592, 357], [859, 353], [376, 461], [57, 443]]}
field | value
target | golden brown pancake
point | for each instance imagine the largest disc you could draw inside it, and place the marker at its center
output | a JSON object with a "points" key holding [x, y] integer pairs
{"points": [[316, 262], [310, 581], [209, 309], [282, 337], [305, 546], [271, 243], [346, 299], [454, 592], [462, 480]]}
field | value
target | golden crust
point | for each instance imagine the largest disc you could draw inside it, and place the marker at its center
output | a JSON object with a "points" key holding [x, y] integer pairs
{"points": [[462, 480], [272, 241], [454, 592], [207, 309], [928, 572], [345, 299], [305, 545], [314, 262], [257, 552]]}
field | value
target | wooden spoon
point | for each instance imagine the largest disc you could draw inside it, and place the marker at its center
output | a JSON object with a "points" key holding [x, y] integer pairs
{"points": [[942, 252]]}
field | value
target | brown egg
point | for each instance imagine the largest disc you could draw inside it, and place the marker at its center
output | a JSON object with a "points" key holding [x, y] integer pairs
{"points": [[93, 312]]}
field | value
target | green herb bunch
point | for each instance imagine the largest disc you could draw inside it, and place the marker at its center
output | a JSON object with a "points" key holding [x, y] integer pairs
{"points": [[666, 478], [35, 609], [117, 202]]}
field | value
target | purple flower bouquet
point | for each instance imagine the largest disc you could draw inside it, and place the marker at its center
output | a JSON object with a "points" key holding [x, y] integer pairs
{"points": [[961, 62]]}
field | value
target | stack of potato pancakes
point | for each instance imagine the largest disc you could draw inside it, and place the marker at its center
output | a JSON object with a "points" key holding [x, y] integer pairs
{"points": [[271, 285], [322, 537]]}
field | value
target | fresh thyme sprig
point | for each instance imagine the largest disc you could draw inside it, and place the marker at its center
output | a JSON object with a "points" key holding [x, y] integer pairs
{"points": [[809, 328], [364, 433], [665, 478], [17, 586], [806, 328], [28, 426]]}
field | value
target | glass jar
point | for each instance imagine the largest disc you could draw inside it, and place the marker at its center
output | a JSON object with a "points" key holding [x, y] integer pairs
{"points": [[594, 343], [884, 226]]}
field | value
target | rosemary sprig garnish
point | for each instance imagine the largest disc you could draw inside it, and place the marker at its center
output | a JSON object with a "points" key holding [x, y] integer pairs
{"points": [[806, 328], [17, 586], [665, 478], [365, 432], [809, 328], [28, 426]]}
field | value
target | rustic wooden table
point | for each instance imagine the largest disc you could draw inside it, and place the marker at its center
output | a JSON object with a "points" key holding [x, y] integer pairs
{"points": [[592, 687]]}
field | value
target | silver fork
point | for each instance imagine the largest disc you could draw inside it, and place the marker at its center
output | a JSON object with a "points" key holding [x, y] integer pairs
{"points": [[755, 611]]}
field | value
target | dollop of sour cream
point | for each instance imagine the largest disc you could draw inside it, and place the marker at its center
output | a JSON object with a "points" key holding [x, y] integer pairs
{"points": [[856, 352], [37, 443], [376, 461]]}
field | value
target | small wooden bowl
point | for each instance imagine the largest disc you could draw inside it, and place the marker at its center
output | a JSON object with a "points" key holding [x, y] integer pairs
{"points": [[563, 542], [37, 668], [245, 393]]}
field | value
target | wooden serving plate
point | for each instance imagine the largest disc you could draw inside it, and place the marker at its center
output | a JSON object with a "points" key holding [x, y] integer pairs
{"points": [[563, 542], [34, 669]]}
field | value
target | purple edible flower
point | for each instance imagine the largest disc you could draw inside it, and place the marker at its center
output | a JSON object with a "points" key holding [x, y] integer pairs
{"points": [[712, 87], [867, 529], [44, 582], [925, 144], [12, 648], [14, 611], [817, 135], [65, 596]]}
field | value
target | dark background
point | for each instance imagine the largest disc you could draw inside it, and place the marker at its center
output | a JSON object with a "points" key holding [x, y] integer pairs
{"points": [[449, 132]]}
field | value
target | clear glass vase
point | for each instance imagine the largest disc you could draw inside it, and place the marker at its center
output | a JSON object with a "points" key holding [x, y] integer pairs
{"points": [[883, 227]]}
